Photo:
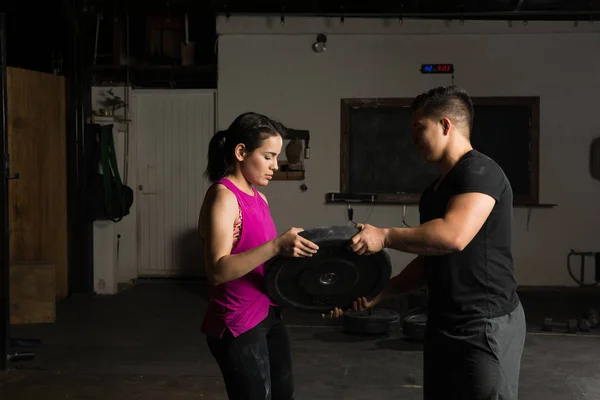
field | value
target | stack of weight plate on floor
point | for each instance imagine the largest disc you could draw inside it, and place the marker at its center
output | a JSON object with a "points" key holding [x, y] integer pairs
{"points": [[414, 323], [334, 277]]}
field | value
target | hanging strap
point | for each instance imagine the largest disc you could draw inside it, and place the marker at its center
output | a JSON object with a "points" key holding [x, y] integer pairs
{"points": [[110, 169]]}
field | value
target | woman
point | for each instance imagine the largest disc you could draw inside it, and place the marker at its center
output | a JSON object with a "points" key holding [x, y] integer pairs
{"points": [[244, 329]]}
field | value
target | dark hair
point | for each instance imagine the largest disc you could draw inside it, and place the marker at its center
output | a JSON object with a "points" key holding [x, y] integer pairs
{"points": [[249, 129], [450, 100]]}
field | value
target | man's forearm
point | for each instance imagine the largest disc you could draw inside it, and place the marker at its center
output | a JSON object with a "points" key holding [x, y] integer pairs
{"points": [[411, 278], [431, 238]]}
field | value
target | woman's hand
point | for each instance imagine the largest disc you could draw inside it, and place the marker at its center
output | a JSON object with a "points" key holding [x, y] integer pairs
{"points": [[291, 244]]}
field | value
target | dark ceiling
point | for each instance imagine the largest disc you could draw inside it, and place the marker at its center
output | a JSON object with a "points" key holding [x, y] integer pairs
{"points": [[113, 34], [468, 9]]}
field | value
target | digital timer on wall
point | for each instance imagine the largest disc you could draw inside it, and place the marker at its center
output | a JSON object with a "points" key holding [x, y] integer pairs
{"points": [[437, 68]]}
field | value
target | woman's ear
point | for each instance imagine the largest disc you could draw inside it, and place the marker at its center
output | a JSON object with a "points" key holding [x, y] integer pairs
{"points": [[240, 152]]}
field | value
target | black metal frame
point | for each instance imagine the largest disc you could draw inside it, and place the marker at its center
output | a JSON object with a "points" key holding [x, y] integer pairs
{"points": [[78, 107], [4, 243]]}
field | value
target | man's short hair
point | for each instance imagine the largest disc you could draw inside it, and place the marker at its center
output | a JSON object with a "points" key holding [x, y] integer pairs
{"points": [[451, 101]]}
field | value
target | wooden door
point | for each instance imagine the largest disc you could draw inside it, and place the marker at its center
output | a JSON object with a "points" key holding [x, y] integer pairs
{"points": [[38, 197]]}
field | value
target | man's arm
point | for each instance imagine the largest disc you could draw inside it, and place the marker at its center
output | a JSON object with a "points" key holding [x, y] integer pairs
{"points": [[474, 187], [412, 277], [465, 216]]}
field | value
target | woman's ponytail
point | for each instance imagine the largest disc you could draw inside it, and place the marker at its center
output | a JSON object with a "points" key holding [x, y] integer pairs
{"points": [[218, 162]]}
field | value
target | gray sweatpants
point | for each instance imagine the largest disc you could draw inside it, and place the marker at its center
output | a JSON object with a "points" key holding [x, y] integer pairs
{"points": [[480, 360]]}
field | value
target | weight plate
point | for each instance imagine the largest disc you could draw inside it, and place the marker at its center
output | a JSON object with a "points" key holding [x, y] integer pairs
{"points": [[376, 315], [334, 277], [414, 324], [417, 299], [370, 322]]}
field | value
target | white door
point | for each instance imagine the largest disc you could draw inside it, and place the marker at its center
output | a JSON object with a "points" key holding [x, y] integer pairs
{"points": [[173, 129]]}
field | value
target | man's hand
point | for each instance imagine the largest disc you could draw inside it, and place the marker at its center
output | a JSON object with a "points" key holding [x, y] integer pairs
{"points": [[359, 304], [368, 241]]}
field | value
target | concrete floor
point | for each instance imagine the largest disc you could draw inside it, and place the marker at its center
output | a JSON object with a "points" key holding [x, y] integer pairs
{"points": [[146, 343]]}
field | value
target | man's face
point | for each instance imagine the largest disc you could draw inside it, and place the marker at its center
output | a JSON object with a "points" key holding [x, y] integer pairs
{"points": [[429, 137]]}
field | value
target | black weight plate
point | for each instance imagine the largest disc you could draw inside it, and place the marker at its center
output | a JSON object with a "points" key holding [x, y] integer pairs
{"points": [[366, 323], [417, 299], [414, 325], [334, 277], [376, 315]]}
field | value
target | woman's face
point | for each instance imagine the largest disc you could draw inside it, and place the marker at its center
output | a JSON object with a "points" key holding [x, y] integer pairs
{"points": [[259, 165]]}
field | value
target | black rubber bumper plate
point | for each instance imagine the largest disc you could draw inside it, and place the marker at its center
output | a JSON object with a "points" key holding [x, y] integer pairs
{"points": [[414, 324], [370, 322], [333, 277]]}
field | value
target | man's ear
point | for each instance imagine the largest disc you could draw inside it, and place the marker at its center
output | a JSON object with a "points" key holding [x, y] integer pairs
{"points": [[446, 124], [240, 152]]}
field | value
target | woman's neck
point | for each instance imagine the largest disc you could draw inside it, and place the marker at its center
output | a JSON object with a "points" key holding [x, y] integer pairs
{"points": [[241, 182]]}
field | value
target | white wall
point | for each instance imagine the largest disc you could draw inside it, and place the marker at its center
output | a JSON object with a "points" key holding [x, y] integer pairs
{"points": [[271, 69]]}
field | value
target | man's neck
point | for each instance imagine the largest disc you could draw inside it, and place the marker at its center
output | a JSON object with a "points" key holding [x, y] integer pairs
{"points": [[455, 152]]}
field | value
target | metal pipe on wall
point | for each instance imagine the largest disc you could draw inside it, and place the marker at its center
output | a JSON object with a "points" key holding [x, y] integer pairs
{"points": [[548, 15], [126, 108], [4, 238]]}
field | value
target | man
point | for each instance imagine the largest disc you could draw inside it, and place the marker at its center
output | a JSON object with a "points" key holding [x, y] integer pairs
{"points": [[476, 325]]}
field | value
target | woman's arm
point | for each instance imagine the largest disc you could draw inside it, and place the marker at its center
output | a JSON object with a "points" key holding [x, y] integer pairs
{"points": [[219, 211]]}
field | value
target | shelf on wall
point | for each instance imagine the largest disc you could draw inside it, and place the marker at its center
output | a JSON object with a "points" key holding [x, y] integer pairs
{"points": [[107, 119], [288, 176], [156, 76], [400, 199], [537, 205], [370, 198], [289, 172]]}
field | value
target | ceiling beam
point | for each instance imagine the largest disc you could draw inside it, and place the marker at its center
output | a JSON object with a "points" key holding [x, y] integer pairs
{"points": [[428, 9]]}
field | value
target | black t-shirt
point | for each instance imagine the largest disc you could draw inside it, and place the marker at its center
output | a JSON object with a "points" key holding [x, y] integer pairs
{"points": [[477, 282]]}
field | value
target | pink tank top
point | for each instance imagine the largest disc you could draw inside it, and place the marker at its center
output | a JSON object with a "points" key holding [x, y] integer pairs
{"points": [[239, 305]]}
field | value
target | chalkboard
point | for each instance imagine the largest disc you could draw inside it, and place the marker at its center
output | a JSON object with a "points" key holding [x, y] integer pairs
{"points": [[378, 156]]}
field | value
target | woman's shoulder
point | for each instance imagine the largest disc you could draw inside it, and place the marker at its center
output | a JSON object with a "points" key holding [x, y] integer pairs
{"points": [[218, 192], [219, 204]]}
